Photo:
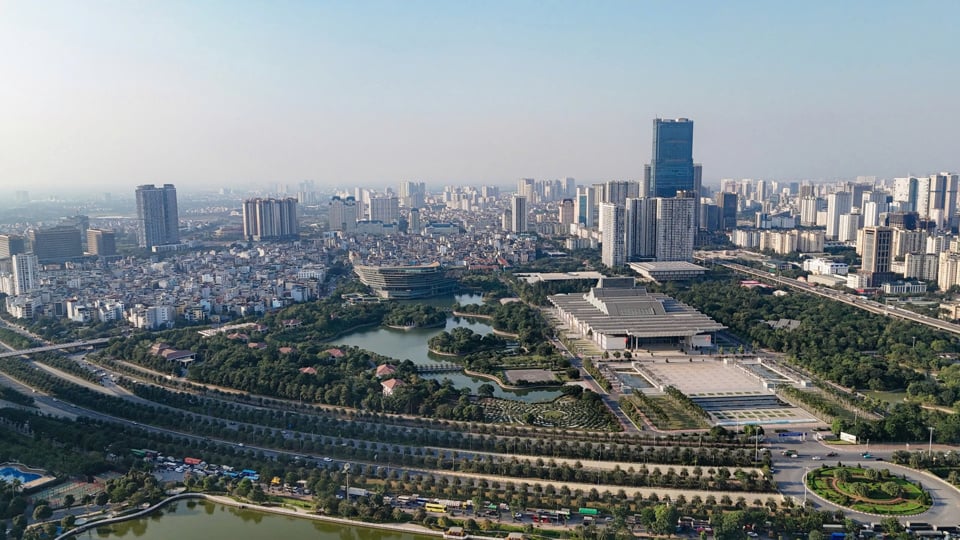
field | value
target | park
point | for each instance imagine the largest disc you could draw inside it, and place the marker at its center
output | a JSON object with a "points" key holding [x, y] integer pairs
{"points": [[870, 491]]}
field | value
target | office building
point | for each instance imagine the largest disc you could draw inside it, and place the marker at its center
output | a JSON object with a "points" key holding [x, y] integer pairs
{"points": [[55, 244], [385, 209], [584, 206], [414, 227], [566, 213], [728, 210], [10, 245], [675, 229], [671, 166], [942, 200], [526, 187], [518, 210], [270, 219], [101, 242], [877, 249], [25, 277], [159, 220], [343, 214], [613, 248]]}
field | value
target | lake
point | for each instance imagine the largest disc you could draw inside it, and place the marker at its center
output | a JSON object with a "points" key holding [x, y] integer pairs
{"points": [[412, 345], [203, 520]]}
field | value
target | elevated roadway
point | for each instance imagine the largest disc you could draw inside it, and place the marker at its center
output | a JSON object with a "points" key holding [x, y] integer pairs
{"points": [[71, 345]]}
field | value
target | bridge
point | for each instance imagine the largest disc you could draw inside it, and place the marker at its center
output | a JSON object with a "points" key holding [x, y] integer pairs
{"points": [[71, 345], [439, 368]]}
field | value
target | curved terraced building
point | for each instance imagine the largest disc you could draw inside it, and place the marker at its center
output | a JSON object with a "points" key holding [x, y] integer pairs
{"points": [[406, 282]]}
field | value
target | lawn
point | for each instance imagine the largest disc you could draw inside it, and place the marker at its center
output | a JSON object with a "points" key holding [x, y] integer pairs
{"points": [[854, 488], [664, 413]]}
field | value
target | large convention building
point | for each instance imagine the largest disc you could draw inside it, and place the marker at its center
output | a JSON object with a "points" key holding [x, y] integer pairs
{"points": [[617, 315], [406, 282]]}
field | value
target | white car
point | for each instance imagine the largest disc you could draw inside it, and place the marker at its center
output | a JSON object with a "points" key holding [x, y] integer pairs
{"points": [[328, 460], [816, 458]]}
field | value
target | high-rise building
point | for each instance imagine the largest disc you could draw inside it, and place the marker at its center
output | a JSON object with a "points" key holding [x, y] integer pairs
{"points": [[570, 187], [675, 232], [566, 212], [415, 226], [385, 209], [413, 194], [640, 224], [157, 215], [942, 200], [526, 187], [617, 191], [838, 203], [10, 245], [613, 250], [518, 209], [270, 219], [876, 249], [55, 244], [343, 214], [25, 273], [506, 220], [728, 210], [583, 206], [671, 166], [101, 242]]}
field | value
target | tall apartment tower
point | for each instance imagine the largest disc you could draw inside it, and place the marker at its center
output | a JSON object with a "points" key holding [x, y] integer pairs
{"points": [[675, 232], [838, 203], [157, 215], [101, 242], [566, 212], [385, 209], [640, 224], [414, 227], [10, 245], [671, 166], [25, 273], [270, 219], [413, 194], [943, 200], [583, 206], [613, 252], [343, 214], [617, 191], [518, 209], [527, 187]]}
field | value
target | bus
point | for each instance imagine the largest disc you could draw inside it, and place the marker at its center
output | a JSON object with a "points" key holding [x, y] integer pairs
{"points": [[435, 507]]}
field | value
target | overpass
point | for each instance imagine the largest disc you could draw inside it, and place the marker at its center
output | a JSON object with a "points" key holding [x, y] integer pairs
{"points": [[85, 343], [846, 298]]}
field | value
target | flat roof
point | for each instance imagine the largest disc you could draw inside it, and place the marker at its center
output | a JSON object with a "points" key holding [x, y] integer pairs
{"points": [[537, 277], [667, 266]]}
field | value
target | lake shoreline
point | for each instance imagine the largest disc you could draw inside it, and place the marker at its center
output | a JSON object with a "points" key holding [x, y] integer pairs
{"points": [[409, 528]]}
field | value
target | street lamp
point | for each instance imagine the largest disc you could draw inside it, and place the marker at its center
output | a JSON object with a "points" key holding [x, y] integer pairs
{"points": [[914, 342], [804, 480], [930, 444]]}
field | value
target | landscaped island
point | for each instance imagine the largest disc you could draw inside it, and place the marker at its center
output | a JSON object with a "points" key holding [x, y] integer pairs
{"points": [[869, 490]]}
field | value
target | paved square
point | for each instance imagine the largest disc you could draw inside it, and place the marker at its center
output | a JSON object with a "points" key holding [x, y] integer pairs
{"points": [[704, 377]]}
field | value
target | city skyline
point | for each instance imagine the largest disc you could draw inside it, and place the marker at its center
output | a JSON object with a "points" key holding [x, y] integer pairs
{"points": [[109, 95]]}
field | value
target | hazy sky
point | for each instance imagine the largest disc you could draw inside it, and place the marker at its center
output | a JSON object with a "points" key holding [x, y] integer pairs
{"points": [[108, 95]]}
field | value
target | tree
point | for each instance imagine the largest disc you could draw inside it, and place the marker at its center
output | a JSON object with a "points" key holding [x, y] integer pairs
{"points": [[69, 500], [102, 498], [665, 518], [42, 512]]}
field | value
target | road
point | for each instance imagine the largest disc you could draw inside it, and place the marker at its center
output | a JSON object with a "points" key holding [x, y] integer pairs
{"points": [[846, 298], [790, 472]]}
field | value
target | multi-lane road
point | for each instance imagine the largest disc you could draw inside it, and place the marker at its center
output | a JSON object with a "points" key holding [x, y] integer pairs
{"points": [[846, 298]]}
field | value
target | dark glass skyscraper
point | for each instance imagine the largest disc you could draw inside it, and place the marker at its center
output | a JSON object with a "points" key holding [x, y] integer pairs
{"points": [[671, 167]]}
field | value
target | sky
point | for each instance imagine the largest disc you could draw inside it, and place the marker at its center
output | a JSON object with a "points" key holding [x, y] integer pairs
{"points": [[101, 95]]}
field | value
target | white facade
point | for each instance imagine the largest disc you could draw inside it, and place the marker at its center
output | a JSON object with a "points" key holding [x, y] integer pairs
{"points": [[825, 267], [613, 249], [675, 229]]}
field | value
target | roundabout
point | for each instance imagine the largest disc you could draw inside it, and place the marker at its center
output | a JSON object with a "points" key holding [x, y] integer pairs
{"points": [[870, 491]]}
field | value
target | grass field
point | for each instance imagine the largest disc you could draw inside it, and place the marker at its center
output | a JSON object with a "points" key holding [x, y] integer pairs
{"points": [[665, 414]]}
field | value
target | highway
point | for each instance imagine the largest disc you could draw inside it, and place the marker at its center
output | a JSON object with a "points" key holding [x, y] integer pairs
{"points": [[71, 345], [846, 298]]}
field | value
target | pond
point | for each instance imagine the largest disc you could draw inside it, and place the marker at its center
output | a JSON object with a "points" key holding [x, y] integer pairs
{"points": [[412, 345], [203, 520]]}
